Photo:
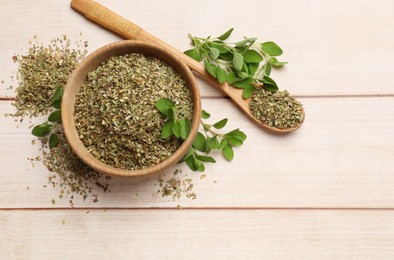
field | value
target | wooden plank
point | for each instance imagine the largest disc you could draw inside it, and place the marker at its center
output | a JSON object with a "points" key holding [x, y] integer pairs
{"points": [[197, 234], [341, 157], [333, 48]]}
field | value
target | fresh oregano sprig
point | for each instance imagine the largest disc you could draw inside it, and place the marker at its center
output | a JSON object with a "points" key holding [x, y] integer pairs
{"points": [[173, 125], [54, 119], [205, 142], [244, 64]]}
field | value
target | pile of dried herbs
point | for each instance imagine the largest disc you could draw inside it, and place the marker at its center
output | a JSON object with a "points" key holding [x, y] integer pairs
{"points": [[277, 109], [115, 113], [42, 71], [69, 173]]}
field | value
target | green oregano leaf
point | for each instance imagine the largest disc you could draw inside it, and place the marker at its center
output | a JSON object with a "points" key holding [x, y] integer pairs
{"points": [[222, 144], [176, 129], [57, 97], [271, 48], [41, 130], [205, 114], [189, 153], [222, 123], [267, 69], [194, 54], [245, 69], [228, 152], [234, 141], [243, 83], [253, 68], [252, 56], [163, 105], [220, 46], [248, 91], [203, 158], [190, 163], [243, 75], [200, 142], [170, 113], [278, 63], [269, 84], [200, 165], [55, 116], [225, 35], [238, 61], [213, 142], [231, 78], [212, 69], [53, 140], [185, 127], [214, 53], [166, 131], [241, 43], [221, 75], [232, 133], [240, 135]]}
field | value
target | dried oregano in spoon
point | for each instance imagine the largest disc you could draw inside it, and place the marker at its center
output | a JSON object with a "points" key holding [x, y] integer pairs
{"points": [[247, 65]]}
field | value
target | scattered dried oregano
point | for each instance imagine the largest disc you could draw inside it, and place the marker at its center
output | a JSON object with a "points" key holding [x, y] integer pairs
{"points": [[277, 109], [115, 113], [70, 174], [42, 69], [176, 186]]}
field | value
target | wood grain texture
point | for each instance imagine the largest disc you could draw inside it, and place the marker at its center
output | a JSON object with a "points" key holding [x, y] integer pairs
{"points": [[338, 159], [333, 48], [191, 234]]}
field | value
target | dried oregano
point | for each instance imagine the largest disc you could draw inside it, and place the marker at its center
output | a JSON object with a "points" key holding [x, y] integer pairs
{"points": [[115, 112], [176, 186], [43, 69], [276, 109], [70, 174]]}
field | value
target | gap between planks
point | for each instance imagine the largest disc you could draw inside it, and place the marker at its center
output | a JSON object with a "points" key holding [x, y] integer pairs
{"points": [[206, 208]]}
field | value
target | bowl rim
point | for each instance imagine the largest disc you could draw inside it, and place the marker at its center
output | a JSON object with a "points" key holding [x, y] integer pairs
{"points": [[79, 75]]}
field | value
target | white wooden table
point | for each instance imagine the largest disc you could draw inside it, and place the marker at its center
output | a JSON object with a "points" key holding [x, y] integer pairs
{"points": [[326, 191]]}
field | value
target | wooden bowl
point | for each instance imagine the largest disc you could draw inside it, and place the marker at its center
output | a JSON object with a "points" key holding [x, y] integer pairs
{"points": [[91, 63]]}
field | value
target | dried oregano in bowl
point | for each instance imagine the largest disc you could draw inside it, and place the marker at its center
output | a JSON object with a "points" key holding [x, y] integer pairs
{"points": [[109, 114], [115, 112]]}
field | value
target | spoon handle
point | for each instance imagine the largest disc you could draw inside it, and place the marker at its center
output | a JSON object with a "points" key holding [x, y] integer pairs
{"points": [[114, 22]]}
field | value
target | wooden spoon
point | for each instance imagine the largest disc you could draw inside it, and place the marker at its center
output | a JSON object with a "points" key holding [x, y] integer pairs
{"points": [[110, 20]]}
